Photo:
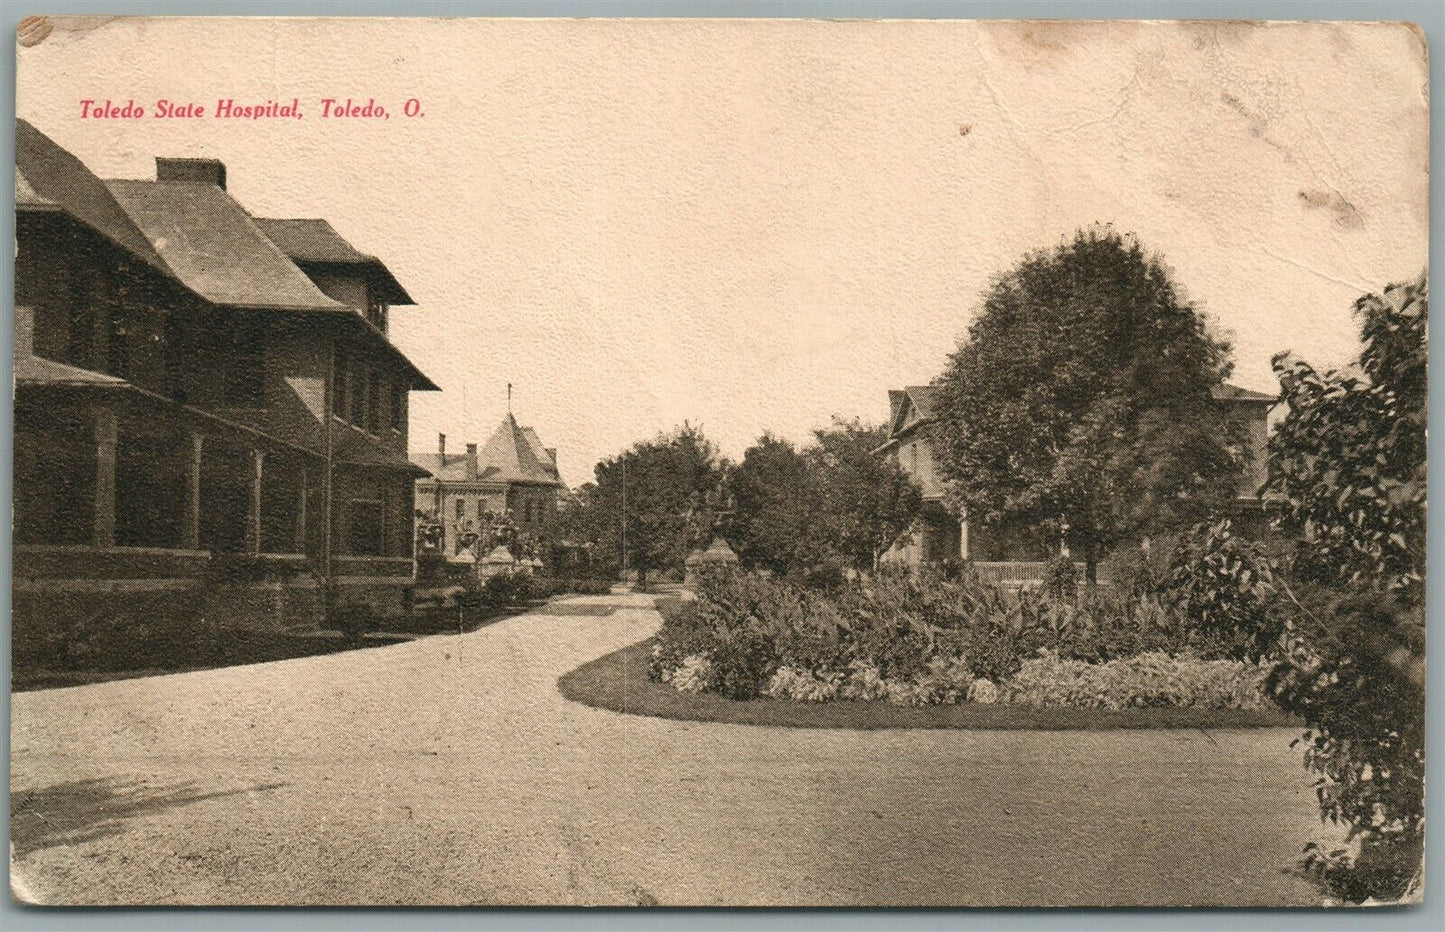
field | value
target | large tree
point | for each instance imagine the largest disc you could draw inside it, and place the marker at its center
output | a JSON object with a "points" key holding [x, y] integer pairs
{"points": [[776, 499], [661, 482], [868, 500], [1083, 398], [834, 503]]}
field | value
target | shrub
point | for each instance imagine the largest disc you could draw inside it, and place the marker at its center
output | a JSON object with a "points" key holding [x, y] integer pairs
{"points": [[1226, 587], [1349, 464], [803, 685], [1061, 579], [1149, 679]]}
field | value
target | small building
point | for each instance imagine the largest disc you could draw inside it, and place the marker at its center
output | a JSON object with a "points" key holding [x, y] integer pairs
{"points": [[941, 533], [195, 388], [513, 477]]}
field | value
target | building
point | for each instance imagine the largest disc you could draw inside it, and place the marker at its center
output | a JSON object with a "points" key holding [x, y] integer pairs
{"points": [[942, 534], [512, 477], [201, 397]]}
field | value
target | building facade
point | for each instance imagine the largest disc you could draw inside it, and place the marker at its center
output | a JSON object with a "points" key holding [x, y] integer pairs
{"points": [[512, 478], [201, 396], [941, 533]]}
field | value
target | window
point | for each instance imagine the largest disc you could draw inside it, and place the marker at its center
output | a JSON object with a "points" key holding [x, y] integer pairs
{"points": [[461, 508], [338, 390], [365, 531], [356, 389], [375, 311], [373, 403], [398, 407], [245, 383], [117, 347]]}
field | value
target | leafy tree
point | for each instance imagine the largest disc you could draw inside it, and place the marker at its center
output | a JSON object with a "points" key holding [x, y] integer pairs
{"points": [[1349, 463], [776, 496], [868, 501], [663, 478], [1083, 396], [835, 503]]}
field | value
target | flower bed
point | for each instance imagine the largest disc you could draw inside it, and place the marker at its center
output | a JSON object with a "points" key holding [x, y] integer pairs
{"points": [[921, 640]]}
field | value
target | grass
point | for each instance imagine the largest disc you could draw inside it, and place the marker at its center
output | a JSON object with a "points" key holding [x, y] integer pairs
{"points": [[619, 682]]}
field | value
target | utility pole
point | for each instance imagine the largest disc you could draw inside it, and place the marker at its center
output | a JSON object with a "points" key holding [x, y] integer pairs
{"points": [[624, 517]]}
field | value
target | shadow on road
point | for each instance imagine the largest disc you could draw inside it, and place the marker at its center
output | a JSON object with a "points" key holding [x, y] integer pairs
{"points": [[84, 810]]}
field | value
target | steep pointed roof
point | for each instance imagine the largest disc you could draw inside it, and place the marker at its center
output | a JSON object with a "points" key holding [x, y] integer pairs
{"points": [[510, 455]]}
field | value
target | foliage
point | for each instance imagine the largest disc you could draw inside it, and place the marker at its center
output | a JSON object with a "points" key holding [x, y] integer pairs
{"points": [[1065, 405], [1061, 579], [1226, 586], [1349, 463], [1148, 679], [912, 638], [777, 497], [663, 478], [867, 500], [814, 512]]}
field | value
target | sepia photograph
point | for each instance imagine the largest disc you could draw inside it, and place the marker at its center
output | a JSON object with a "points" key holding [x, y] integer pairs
{"points": [[718, 462]]}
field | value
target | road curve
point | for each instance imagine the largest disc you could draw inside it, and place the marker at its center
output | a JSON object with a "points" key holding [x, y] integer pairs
{"points": [[449, 770]]}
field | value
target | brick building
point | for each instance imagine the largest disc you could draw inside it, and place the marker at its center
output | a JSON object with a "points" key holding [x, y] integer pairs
{"points": [[512, 475], [197, 388]]}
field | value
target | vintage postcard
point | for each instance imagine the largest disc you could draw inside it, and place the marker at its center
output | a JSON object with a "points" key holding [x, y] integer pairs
{"points": [[718, 462]]}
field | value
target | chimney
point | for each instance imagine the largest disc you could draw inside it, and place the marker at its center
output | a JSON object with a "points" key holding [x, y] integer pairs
{"points": [[471, 462], [24, 332], [552, 454], [194, 171], [442, 448]]}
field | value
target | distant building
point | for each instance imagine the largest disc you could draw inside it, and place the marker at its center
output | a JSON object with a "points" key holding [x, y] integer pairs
{"points": [[941, 533], [511, 477], [193, 383]]}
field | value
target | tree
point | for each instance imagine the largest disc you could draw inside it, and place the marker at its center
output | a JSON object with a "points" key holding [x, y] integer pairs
{"points": [[835, 503], [868, 500], [1349, 463], [660, 482], [1083, 398], [776, 496]]}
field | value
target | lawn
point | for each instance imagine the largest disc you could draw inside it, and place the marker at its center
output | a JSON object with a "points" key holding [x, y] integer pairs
{"points": [[618, 681]]}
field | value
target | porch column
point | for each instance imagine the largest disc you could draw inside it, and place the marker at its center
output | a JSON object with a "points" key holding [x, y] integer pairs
{"points": [[963, 534], [253, 508], [191, 527], [301, 512], [103, 530]]}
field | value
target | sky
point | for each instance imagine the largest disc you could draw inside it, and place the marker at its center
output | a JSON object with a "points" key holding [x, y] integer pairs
{"points": [[757, 225]]}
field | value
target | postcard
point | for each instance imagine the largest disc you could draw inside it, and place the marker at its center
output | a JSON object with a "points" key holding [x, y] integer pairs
{"points": [[686, 462]]}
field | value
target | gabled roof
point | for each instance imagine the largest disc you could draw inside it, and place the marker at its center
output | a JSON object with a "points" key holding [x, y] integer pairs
{"points": [[1228, 392], [47, 177], [915, 400], [316, 242], [214, 247]]}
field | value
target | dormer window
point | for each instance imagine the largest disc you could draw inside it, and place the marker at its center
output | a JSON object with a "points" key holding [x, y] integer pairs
{"points": [[376, 311]]}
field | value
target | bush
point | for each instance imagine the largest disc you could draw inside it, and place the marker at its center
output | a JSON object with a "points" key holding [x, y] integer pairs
{"points": [[1348, 463], [1149, 679], [911, 638], [1225, 585]]}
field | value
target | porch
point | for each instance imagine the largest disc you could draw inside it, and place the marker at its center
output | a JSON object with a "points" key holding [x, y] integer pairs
{"points": [[110, 488]]}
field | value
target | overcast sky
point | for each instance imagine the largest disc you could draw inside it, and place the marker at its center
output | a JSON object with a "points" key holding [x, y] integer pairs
{"points": [[757, 225]]}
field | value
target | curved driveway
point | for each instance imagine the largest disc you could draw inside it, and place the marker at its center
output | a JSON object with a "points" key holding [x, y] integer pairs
{"points": [[449, 770]]}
